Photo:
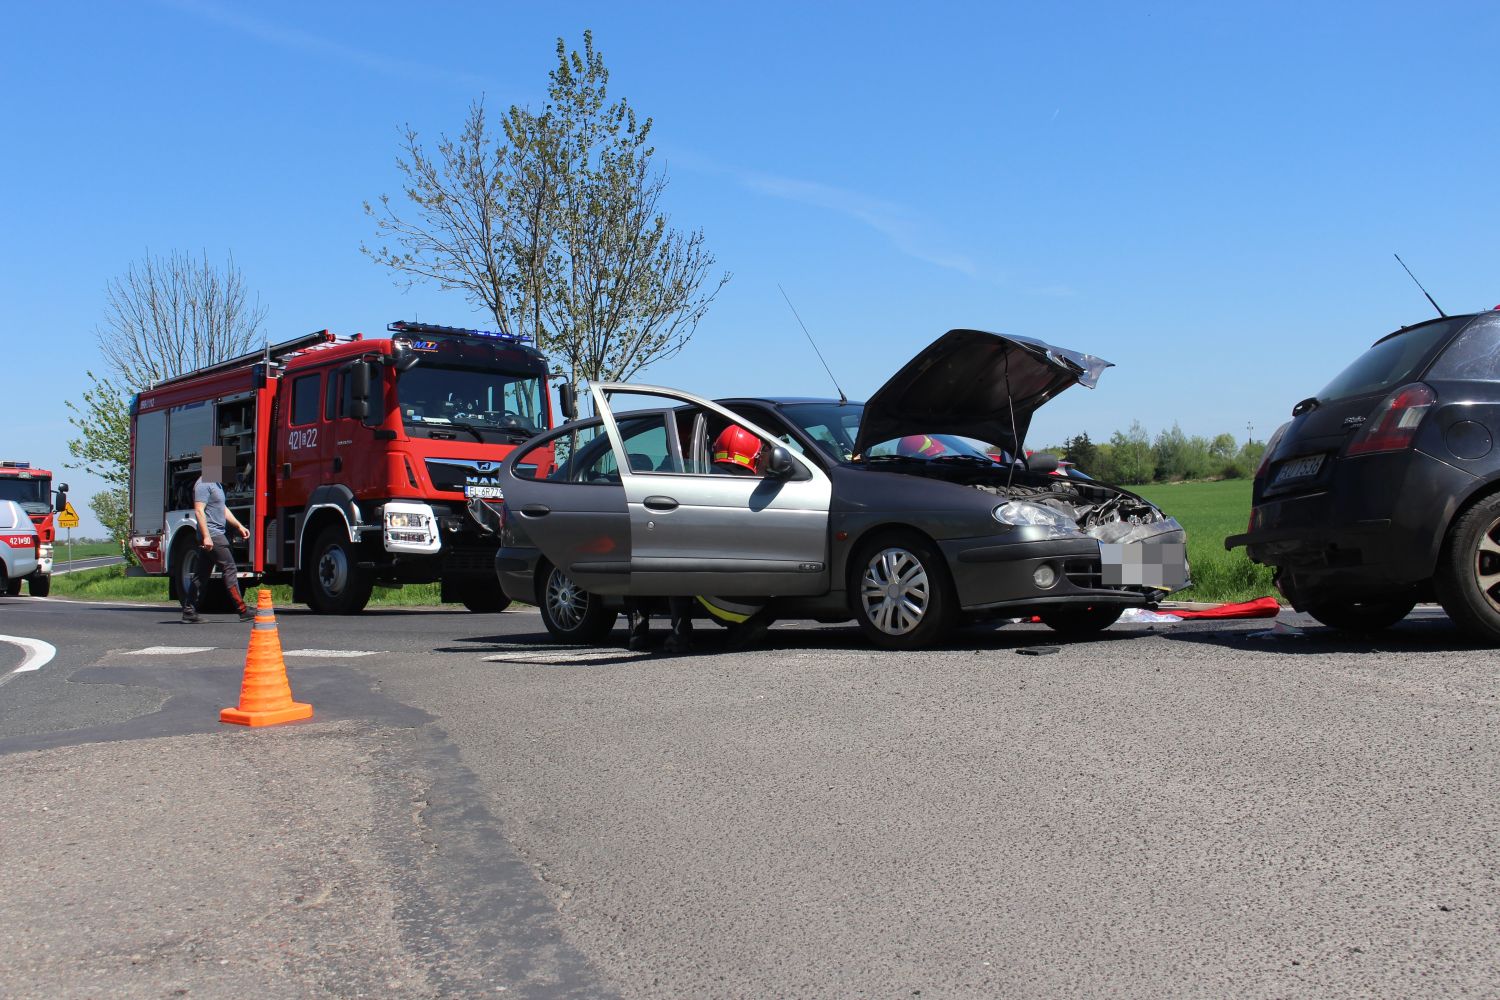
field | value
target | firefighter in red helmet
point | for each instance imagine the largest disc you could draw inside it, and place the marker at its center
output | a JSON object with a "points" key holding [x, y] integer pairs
{"points": [[736, 451]]}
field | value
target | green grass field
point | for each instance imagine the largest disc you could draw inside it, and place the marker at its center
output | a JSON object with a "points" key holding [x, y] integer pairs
{"points": [[1211, 512], [82, 550], [111, 584]]}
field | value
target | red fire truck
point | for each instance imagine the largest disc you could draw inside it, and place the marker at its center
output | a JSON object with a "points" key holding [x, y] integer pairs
{"points": [[354, 462], [32, 489]]}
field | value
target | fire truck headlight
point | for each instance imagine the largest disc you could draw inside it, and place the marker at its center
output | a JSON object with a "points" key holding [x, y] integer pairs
{"points": [[405, 520]]}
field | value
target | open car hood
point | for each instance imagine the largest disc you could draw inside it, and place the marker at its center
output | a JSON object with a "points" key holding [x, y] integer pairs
{"points": [[968, 382]]}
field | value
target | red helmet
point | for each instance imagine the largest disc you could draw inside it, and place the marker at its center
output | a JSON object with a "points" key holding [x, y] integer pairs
{"points": [[736, 446], [919, 445]]}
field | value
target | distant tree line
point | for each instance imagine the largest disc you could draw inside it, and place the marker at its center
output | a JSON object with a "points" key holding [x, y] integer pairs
{"points": [[1131, 457]]}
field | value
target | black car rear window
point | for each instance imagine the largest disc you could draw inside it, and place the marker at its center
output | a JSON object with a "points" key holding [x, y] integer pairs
{"points": [[1475, 355], [1392, 362]]}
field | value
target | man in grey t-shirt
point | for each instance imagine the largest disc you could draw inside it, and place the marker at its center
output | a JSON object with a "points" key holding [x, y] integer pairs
{"points": [[213, 517]]}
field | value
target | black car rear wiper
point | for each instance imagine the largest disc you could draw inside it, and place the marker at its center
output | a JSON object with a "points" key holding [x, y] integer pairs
{"points": [[1306, 406]]}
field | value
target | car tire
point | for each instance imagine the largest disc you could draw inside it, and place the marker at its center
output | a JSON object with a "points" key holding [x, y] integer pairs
{"points": [[1361, 616], [4, 582], [1081, 621], [901, 592], [1468, 574], [485, 602], [572, 614], [335, 583], [39, 586]]}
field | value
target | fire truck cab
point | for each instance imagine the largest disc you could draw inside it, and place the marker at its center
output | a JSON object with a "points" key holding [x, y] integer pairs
{"points": [[32, 490], [354, 462]]}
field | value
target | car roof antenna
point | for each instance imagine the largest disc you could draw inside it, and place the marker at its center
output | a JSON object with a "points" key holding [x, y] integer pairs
{"points": [[1419, 285], [843, 399]]}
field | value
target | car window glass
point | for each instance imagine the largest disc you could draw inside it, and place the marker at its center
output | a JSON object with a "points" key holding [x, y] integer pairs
{"points": [[305, 399], [832, 426], [1392, 362], [1474, 355]]}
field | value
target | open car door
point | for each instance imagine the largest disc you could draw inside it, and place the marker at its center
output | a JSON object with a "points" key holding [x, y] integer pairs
{"points": [[564, 494], [703, 527]]}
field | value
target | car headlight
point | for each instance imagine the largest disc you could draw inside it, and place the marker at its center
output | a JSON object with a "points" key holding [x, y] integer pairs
{"points": [[1021, 514], [405, 520]]}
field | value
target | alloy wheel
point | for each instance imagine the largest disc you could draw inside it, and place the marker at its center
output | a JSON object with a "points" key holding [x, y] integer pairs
{"points": [[1487, 564], [895, 591], [565, 600]]}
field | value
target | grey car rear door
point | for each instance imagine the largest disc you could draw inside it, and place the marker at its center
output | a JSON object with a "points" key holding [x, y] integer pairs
{"points": [[696, 532]]}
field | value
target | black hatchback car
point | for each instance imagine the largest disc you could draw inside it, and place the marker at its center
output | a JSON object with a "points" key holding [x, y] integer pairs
{"points": [[1384, 489]]}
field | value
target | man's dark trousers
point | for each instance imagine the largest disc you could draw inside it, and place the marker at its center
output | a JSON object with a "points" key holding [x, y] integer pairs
{"points": [[222, 558]]}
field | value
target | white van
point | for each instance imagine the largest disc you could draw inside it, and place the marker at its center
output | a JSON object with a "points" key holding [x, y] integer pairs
{"points": [[18, 547]]}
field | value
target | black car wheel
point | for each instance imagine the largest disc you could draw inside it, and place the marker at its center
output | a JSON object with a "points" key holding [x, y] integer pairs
{"points": [[39, 586], [336, 583], [1081, 621], [901, 592], [1361, 616], [572, 614], [1468, 574]]}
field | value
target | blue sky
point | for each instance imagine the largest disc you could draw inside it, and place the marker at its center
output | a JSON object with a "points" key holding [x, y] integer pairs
{"points": [[1206, 195]]}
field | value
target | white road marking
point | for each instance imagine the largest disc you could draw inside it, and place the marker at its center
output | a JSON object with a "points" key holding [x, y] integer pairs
{"points": [[564, 655], [330, 654], [168, 650], [38, 654]]}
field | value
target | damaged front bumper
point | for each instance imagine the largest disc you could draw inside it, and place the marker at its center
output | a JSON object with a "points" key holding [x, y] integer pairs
{"points": [[1138, 564]]}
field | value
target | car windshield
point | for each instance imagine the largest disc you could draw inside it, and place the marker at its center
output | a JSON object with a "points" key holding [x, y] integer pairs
{"points": [[34, 495], [1392, 362], [432, 397], [834, 428]]}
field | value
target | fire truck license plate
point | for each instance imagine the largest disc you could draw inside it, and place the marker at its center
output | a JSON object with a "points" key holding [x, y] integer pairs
{"points": [[483, 493]]}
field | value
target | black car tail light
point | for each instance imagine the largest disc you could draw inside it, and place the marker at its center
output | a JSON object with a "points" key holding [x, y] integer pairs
{"points": [[1393, 427], [1265, 458]]}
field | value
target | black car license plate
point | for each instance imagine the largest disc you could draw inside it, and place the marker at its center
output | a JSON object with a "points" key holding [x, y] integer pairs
{"points": [[1298, 468]]}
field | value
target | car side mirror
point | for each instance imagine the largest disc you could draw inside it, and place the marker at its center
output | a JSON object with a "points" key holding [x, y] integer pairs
{"points": [[780, 465], [567, 401], [1042, 461]]}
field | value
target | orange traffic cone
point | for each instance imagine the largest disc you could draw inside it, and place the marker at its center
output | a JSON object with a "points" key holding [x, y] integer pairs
{"points": [[266, 696]]}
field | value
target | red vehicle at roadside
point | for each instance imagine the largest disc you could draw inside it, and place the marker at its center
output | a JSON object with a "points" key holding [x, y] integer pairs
{"points": [[32, 489], [355, 462]]}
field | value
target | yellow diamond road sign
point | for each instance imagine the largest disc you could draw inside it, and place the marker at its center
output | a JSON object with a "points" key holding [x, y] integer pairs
{"points": [[68, 518]]}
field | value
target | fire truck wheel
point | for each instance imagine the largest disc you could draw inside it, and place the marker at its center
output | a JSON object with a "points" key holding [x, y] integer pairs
{"points": [[39, 586], [336, 584], [485, 602]]}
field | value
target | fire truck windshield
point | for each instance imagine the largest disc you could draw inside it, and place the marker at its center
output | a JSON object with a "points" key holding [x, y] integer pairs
{"points": [[34, 495], [433, 397]]}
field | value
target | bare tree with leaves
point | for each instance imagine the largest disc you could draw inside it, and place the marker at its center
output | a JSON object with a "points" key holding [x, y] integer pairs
{"points": [[555, 228], [164, 316]]}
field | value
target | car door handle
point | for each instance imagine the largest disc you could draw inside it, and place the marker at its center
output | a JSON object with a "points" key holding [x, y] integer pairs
{"points": [[660, 503], [338, 464], [536, 510]]}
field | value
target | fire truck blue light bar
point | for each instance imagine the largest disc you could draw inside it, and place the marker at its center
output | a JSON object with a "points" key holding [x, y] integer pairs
{"points": [[402, 326]]}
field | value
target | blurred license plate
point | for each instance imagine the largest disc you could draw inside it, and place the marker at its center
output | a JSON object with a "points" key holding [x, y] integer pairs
{"points": [[1298, 468], [483, 493], [1162, 565]]}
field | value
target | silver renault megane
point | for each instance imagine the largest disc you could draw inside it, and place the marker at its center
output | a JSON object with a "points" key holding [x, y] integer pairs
{"points": [[907, 513]]}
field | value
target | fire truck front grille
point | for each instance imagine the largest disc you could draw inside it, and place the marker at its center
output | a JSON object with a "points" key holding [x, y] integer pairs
{"points": [[454, 474]]}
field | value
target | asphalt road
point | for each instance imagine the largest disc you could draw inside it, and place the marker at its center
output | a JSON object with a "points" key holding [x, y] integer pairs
{"points": [[62, 564], [1186, 810]]}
